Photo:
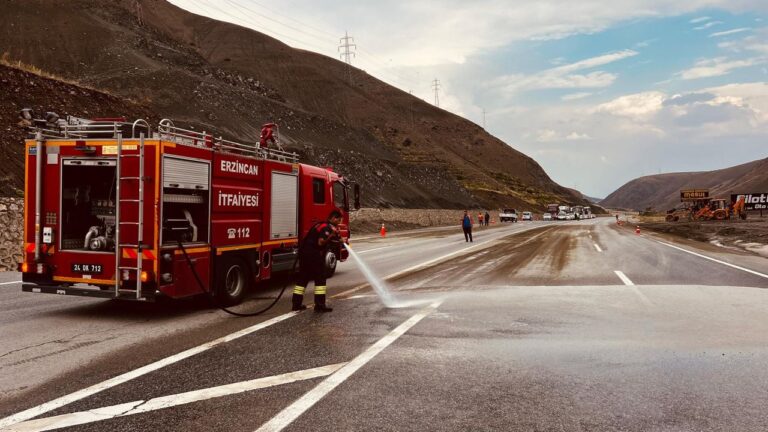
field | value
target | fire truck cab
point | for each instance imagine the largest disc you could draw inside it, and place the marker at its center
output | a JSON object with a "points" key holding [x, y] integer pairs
{"points": [[118, 210]]}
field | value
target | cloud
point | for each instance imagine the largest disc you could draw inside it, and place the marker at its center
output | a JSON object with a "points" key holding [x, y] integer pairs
{"points": [[638, 105], [717, 67], [730, 32], [699, 19], [575, 136], [576, 96], [565, 76], [708, 25], [549, 135]]}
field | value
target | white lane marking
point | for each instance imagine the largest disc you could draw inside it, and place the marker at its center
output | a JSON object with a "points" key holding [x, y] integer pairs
{"points": [[637, 291], [296, 409], [624, 278], [435, 260], [598, 247], [375, 249], [120, 379], [714, 260], [8, 283], [142, 406]]}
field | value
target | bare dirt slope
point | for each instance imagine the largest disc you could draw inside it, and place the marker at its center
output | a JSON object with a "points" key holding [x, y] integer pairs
{"points": [[662, 192], [229, 79]]}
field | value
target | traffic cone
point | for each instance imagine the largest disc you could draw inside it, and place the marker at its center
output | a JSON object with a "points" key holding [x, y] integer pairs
{"points": [[637, 230], [383, 231]]}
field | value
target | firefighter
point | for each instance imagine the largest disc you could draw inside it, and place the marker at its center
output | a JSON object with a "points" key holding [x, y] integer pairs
{"points": [[267, 135], [312, 253]]}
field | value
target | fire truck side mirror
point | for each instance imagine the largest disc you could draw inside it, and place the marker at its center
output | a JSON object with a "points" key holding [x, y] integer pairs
{"points": [[356, 191]]}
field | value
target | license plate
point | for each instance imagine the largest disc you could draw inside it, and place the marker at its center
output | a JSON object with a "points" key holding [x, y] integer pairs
{"points": [[87, 268]]}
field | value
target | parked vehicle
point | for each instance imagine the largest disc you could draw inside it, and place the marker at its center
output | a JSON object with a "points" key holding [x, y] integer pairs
{"points": [[508, 215], [527, 216], [546, 216]]}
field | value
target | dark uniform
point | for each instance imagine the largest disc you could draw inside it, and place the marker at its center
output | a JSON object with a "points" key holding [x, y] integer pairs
{"points": [[312, 266]]}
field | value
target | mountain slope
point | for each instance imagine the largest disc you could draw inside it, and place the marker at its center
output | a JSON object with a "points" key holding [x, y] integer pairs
{"points": [[228, 79], [662, 191]]}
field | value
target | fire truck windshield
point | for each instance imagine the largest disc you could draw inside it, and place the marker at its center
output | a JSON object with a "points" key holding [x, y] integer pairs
{"points": [[340, 196]]}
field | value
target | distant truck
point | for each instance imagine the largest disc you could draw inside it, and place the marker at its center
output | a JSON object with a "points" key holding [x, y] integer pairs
{"points": [[564, 213], [553, 209], [508, 215]]}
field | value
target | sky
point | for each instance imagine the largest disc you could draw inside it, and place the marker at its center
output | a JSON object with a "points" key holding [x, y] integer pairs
{"points": [[598, 92]]}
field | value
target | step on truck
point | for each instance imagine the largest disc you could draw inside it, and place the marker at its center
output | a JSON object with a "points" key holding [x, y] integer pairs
{"points": [[113, 209]]}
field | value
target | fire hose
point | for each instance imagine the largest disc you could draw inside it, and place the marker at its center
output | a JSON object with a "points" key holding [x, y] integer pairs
{"points": [[211, 295]]}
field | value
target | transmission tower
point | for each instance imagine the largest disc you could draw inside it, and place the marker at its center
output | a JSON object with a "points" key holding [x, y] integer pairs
{"points": [[436, 87], [346, 44]]}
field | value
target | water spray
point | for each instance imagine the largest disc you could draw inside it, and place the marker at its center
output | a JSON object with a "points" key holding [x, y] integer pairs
{"points": [[382, 289]]}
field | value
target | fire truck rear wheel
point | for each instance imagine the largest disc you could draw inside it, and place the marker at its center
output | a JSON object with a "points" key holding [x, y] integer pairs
{"points": [[233, 280], [330, 264]]}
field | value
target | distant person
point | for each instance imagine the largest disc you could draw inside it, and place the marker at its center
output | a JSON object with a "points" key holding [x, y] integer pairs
{"points": [[617, 218], [480, 219], [466, 225]]}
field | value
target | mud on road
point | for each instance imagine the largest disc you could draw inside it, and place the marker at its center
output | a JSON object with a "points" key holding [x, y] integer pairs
{"points": [[536, 257]]}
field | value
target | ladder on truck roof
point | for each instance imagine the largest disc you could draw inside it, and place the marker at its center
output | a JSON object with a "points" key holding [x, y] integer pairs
{"points": [[139, 222]]}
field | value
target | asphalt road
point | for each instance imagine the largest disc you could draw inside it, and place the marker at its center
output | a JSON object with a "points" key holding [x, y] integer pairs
{"points": [[535, 327]]}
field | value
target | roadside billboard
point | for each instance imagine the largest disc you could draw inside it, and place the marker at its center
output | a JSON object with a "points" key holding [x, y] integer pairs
{"points": [[693, 194], [752, 201]]}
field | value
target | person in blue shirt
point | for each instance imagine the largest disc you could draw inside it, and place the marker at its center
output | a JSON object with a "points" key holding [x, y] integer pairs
{"points": [[466, 225]]}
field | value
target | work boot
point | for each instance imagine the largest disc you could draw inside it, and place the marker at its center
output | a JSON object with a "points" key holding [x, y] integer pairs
{"points": [[320, 305], [297, 303]]}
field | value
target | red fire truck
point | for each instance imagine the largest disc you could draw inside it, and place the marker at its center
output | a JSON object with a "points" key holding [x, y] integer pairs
{"points": [[111, 208]]}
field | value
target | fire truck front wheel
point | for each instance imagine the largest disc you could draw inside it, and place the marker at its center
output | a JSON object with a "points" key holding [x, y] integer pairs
{"points": [[233, 280]]}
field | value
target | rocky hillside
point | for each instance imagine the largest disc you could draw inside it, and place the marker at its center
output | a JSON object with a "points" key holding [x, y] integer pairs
{"points": [[25, 89], [228, 79], [662, 192]]}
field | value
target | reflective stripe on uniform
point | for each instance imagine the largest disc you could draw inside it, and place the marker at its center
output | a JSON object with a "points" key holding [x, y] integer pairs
{"points": [[298, 290], [320, 289]]}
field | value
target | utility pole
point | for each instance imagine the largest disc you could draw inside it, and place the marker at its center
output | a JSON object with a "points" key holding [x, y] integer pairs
{"points": [[436, 87], [346, 43], [483, 118]]}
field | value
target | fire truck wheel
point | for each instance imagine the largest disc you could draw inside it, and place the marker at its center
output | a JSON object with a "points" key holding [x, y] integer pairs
{"points": [[330, 264], [233, 279]]}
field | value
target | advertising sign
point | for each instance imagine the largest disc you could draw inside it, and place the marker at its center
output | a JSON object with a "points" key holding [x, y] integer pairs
{"points": [[753, 201], [693, 194]]}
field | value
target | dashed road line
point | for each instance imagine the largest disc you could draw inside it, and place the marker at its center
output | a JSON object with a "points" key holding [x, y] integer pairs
{"points": [[128, 376], [143, 406], [296, 409], [597, 246], [375, 249], [714, 260], [624, 278], [637, 291]]}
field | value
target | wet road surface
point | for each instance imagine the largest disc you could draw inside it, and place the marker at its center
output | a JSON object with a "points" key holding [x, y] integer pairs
{"points": [[575, 326]]}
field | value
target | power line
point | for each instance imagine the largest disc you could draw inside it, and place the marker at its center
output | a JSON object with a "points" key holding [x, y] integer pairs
{"points": [[346, 43], [247, 9], [239, 20], [436, 87]]}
